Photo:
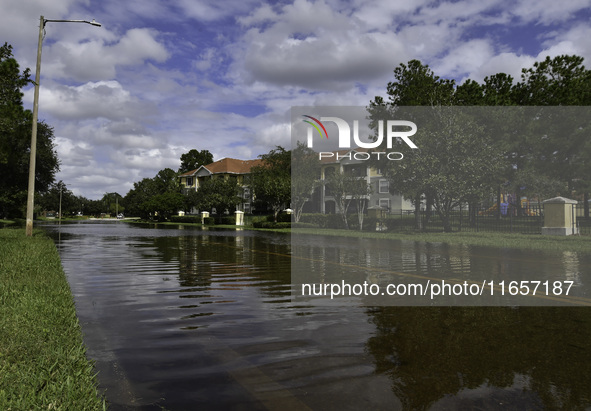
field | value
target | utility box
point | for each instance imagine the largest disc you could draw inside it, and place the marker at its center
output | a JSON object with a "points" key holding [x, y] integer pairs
{"points": [[379, 214], [375, 212], [239, 217], [560, 217], [204, 215]]}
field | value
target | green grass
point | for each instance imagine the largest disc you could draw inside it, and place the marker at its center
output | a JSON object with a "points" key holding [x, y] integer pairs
{"points": [[504, 240], [42, 356]]}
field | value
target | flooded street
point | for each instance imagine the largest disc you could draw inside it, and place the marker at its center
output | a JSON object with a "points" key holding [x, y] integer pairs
{"points": [[188, 318]]}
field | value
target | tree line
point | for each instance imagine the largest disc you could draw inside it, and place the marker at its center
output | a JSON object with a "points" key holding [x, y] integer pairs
{"points": [[478, 139], [15, 141]]}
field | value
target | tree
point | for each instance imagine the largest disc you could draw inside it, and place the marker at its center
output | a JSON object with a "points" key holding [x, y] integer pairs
{"points": [[338, 185], [166, 181], [347, 188], [498, 90], [414, 84], [562, 80], [218, 193], [165, 204], [11, 104], [137, 199], [541, 148], [271, 181], [15, 139], [112, 203], [150, 196], [360, 192], [194, 159], [457, 161], [305, 171], [92, 207], [58, 194]]}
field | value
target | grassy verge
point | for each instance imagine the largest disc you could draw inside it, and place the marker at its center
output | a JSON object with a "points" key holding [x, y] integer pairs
{"points": [[505, 240], [42, 357]]}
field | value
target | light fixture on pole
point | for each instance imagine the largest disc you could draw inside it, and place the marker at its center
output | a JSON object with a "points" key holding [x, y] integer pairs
{"points": [[31, 189]]}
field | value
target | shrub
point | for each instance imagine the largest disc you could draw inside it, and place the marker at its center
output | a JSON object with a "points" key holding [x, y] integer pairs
{"points": [[270, 224], [284, 218], [209, 221], [186, 219], [369, 224], [335, 221], [317, 219], [303, 225], [229, 220]]}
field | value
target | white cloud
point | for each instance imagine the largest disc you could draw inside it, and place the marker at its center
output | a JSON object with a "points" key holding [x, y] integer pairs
{"points": [[20, 19], [467, 57], [262, 14], [381, 14], [312, 45], [572, 41], [210, 10], [98, 60], [509, 63], [102, 99], [548, 11], [426, 41]]}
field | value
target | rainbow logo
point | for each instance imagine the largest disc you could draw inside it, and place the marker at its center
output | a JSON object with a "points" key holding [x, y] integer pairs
{"points": [[325, 134]]}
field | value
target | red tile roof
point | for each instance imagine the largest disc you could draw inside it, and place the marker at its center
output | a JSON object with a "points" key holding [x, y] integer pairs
{"points": [[227, 165]]}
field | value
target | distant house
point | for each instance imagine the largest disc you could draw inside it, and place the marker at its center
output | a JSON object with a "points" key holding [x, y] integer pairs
{"points": [[226, 168], [345, 161]]}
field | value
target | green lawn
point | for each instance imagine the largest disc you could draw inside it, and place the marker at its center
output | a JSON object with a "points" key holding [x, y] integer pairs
{"points": [[42, 357]]}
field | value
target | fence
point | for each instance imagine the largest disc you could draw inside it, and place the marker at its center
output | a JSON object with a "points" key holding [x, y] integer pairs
{"points": [[528, 220]]}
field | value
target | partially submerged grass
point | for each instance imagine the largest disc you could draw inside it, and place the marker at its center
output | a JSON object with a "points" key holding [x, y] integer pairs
{"points": [[489, 239], [574, 243], [42, 356]]}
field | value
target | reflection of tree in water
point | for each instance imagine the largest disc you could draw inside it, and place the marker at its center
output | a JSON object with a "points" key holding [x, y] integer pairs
{"points": [[431, 353], [253, 260]]}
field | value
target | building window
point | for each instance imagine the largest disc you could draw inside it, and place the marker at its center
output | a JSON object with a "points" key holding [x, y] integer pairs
{"points": [[384, 186], [385, 203], [189, 182], [246, 192], [246, 208]]}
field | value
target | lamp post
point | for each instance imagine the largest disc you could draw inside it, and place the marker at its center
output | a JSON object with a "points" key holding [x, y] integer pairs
{"points": [[31, 189]]}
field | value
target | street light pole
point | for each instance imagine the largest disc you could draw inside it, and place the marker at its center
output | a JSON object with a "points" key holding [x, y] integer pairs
{"points": [[31, 189]]}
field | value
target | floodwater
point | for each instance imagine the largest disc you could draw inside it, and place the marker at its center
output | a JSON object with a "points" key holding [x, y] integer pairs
{"points": [[184, 318]]}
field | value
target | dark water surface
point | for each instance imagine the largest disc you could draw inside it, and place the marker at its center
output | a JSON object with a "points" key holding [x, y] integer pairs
{"points": [[191, 319]]}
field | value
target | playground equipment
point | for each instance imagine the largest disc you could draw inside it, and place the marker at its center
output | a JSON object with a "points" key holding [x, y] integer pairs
{"points": [[507, 200]]}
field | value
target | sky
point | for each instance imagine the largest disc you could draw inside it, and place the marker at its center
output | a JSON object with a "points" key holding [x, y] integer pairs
{"points": [[162, 77]]}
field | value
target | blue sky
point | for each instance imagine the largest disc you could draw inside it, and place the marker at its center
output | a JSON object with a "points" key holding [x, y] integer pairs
{"points": [[161, 77]]}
